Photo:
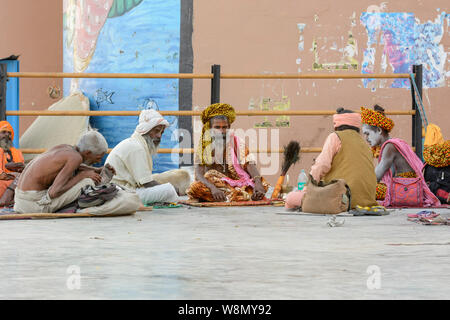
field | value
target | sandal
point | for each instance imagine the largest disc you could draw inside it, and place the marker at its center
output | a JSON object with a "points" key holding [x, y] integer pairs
{"points": [[423, 214], [370, 211]]}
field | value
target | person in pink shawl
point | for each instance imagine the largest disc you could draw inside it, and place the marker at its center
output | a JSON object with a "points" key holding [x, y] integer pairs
{"points": [[225, 171], [399, 169]]}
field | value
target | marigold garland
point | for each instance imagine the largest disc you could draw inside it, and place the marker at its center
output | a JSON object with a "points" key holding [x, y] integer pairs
{"points": [[437, 155], [377, 119]]}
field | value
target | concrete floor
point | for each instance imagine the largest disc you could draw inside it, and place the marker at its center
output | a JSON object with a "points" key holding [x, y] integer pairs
{"points": [[224, 253]]}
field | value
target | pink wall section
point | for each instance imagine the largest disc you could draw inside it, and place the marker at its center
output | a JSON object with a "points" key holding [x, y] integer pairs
{"points": [[258, 37], [33, 29], [262, 37]]}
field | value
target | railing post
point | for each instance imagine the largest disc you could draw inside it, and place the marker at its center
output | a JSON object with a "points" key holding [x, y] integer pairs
{"points": [[215, 84], [416, 119], [3, 79]]}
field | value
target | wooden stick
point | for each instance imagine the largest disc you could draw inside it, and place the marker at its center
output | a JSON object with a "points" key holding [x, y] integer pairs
{"points": [[314, 76], [185, 150], [109, 75], [202, 76], [181, 150], [184, 113], [56, 215], [277, 189]]}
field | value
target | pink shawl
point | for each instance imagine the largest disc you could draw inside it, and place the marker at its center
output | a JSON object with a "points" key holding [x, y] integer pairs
{"points": [[417, 165], [244, 177]]}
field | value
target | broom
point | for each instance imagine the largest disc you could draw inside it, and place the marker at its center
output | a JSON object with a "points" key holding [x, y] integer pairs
{"points": [[291, 154]]}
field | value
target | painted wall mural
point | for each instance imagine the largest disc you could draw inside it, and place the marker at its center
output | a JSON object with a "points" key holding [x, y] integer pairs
{"points": [[395, 42], [395, 31], [125, 36], [429, 50]]}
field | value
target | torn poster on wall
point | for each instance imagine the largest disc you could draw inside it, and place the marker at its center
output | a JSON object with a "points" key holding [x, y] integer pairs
{"points": [[395, 31], [396, 41], [430, 52], [347, 50]]}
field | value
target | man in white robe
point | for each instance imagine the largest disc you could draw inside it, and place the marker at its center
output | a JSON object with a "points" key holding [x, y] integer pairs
{"points": [[132, 161]]}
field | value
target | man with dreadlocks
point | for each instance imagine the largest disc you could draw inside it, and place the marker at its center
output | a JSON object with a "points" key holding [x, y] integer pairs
{"points": [[399, 169], [12, 164], [224, 168]]}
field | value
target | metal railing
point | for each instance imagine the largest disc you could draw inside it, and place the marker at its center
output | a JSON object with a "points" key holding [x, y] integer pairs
{"points": [[215, 76]]}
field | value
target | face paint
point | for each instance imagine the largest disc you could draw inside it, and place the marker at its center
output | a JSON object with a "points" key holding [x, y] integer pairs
{"points": [[373, 137]]}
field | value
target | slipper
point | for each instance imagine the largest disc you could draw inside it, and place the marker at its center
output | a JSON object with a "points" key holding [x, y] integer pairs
{"points": [[439, 220], [370, 211], [423, 214], [166, 205]]}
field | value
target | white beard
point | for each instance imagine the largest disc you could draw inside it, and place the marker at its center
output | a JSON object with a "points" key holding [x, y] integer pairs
{"points": [[152, 148], [5, 144], [218, 144]]}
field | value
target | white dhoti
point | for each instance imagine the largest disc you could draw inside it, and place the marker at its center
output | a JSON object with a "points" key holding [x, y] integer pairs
{"points": [[27, 201], [161, 193], [179, 178], [124, 202]]}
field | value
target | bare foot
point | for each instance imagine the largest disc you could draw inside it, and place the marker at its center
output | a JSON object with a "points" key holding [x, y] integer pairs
{"points": [[107, 173]]}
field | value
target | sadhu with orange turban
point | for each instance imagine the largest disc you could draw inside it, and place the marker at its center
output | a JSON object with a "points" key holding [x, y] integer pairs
{"points": [[11, 162]]}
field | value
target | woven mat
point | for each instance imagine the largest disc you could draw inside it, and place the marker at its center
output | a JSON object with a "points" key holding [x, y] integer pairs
{"points": [[22, 216], [193, 203]]}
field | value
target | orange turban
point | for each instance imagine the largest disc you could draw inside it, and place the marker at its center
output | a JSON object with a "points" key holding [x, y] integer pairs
{"points": [[377, 119], [350, 119], [5, 126]]}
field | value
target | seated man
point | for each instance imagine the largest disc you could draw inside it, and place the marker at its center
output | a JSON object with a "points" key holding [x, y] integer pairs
{"points": [[224, 169], [12, 164], [396, 160], [56, 178], [345, 155], [132, 160]]}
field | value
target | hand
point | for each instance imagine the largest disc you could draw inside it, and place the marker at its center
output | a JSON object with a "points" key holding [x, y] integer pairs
{"points": [[111, 168], [218, 194], [15, 166], [7, 176], [84, 167], [259, 192], [92, 175]]}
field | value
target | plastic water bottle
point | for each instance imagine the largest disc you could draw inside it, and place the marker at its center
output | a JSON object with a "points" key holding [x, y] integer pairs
{"points": [[302, 180]]}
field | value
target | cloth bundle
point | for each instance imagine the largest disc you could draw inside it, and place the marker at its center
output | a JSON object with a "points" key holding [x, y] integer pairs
{"points": [[91, 196], [326, 198]]}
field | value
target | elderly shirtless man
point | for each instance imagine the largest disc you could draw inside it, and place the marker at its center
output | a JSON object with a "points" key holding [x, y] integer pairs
{"points": [[55, 178]]}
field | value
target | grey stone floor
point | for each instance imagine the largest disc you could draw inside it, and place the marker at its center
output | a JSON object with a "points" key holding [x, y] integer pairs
{"points": [[224, 253]]}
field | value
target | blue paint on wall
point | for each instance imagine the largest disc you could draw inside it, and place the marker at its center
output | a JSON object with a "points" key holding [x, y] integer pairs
{"points": [[410, 42], [12, 98], [144, 40]]}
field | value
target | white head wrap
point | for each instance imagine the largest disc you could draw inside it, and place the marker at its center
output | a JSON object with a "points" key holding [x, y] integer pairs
{"points": [[148, 119]]}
